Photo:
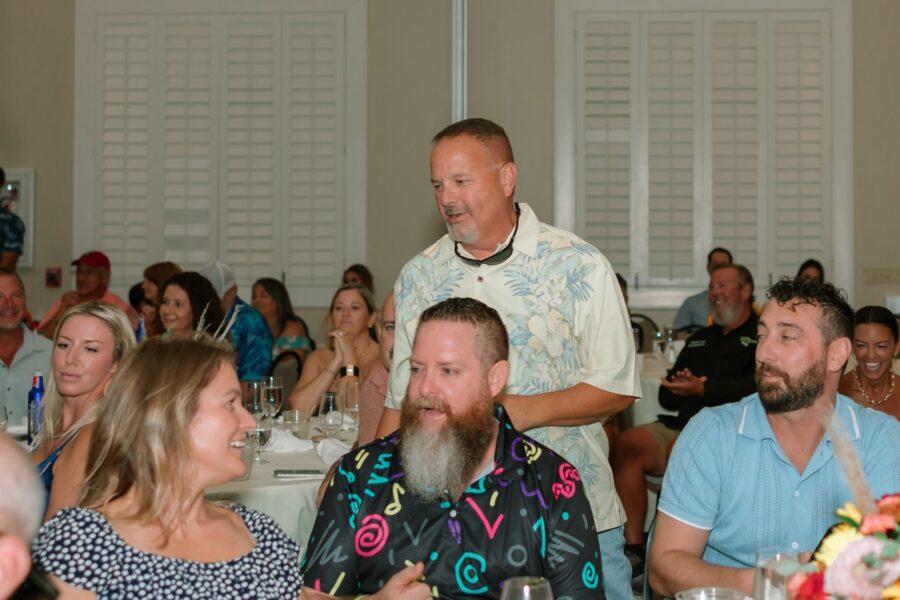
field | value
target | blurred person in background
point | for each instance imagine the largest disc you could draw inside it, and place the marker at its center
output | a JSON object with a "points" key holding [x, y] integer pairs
{"points": [[696, 309], [154, 277], [811, 269], [92, 271], [91, 340], [12, 228], [872, 382], [351, 352], [250, 334], [22, 352], [271, 299], [358, 274], [184, 298]]}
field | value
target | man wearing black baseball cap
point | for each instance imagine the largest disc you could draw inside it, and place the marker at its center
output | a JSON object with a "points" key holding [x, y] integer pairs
{"points": [[91, 283]]}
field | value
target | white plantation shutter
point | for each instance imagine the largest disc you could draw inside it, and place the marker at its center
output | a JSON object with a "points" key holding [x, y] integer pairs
{"points": [[735, 109], [671, 116], [250, 128], [696, 128], [125, 143], [188, 151], [606, 128], [801, 152], [223, 135], [314, 149]]}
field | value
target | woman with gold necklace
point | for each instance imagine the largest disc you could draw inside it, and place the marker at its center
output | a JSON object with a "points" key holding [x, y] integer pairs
{"points": [[873, 382], [352, 351]]}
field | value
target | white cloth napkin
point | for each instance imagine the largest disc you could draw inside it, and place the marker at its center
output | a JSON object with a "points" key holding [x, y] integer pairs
{"points": [[284, 441], [348, 423], [331, 449]]}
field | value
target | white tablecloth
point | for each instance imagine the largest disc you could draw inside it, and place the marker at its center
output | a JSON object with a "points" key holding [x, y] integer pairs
{"points": [[647, 408], [291, 502]]}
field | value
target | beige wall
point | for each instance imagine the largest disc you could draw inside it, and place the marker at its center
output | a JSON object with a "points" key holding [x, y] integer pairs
{"points": [[876, 143], [37, 41], [510, 80]]}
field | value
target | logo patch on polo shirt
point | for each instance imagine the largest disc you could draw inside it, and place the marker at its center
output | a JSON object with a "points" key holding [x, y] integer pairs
{"points": [[747, 341]]}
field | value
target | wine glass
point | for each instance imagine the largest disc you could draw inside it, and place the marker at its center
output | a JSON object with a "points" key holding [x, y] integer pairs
{"points": [[256, 404], [330, 416], [526, 588], [261, 434], [349, 399], [255, 396], [273, 393]]}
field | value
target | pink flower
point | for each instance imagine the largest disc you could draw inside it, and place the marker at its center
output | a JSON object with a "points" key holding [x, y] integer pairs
{"points": [[879, 522], [849, 576]]}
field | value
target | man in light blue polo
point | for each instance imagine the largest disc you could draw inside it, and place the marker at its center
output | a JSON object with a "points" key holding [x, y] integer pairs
{"points": [[762, 472], [22, 352]]}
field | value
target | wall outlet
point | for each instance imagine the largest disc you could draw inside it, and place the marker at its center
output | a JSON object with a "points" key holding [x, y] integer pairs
{"points": [[881, 276]]}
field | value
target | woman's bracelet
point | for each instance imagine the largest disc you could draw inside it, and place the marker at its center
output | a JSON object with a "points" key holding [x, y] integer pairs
{"points": [[350, 370]]}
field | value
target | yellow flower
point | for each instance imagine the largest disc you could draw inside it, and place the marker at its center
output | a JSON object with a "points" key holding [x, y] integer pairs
{"points": [[892, 592], [840, 536], [850, 512]]}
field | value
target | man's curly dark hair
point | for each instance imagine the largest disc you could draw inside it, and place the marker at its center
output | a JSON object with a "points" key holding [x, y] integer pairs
{"points": [[837, 316]]}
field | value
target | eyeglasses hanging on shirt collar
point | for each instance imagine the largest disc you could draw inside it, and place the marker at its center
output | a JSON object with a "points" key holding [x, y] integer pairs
{"points": [[498, 257]]}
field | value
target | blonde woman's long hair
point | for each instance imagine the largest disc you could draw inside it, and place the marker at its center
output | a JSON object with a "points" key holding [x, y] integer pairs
{"points": [[123, 336], [141, 441]]}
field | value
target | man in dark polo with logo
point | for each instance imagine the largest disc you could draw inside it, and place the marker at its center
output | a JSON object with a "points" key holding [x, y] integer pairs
{"points": [[716, 366]]}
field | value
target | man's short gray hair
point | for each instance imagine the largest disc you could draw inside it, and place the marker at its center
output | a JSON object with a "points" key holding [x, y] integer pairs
{"points": [[22, 500]]}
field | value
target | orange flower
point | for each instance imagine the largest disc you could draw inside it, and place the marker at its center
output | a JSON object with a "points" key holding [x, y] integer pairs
{"points": [[890, 505]]}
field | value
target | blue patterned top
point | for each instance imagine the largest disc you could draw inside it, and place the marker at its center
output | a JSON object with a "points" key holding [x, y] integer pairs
{"points": [[252, 339]]}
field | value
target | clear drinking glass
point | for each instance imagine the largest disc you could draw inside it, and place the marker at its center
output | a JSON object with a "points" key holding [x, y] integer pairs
{"points": [[330, 415], [349, 399], [255, 396], [256, 405], [526, 588], [4, 419], [774, 566], [273, 391], [261, 435]]}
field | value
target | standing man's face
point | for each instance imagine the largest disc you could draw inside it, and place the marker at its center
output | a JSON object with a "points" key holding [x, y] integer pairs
{"points": [[472, 187]]}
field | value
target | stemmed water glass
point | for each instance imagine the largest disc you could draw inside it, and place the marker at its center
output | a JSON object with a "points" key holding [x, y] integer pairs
{"points": [[273, 393], [256, 404], [330, 415]]}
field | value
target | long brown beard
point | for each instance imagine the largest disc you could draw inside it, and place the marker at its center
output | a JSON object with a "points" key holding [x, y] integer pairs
{"points": [[439, 465]]}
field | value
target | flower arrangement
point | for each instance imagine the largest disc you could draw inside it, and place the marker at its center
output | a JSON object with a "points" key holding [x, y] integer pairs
{"points": [[858, 558]]}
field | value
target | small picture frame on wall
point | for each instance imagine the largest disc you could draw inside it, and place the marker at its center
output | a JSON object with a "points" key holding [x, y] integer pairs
{"points": [[17, 196]]}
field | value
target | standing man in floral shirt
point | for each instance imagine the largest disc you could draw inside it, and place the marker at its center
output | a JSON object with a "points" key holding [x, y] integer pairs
{"points": [[572, 355]]}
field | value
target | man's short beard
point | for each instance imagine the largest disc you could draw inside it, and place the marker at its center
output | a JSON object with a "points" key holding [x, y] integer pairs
{"points": [[795, 393], [727, 314], [442, 463]]}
